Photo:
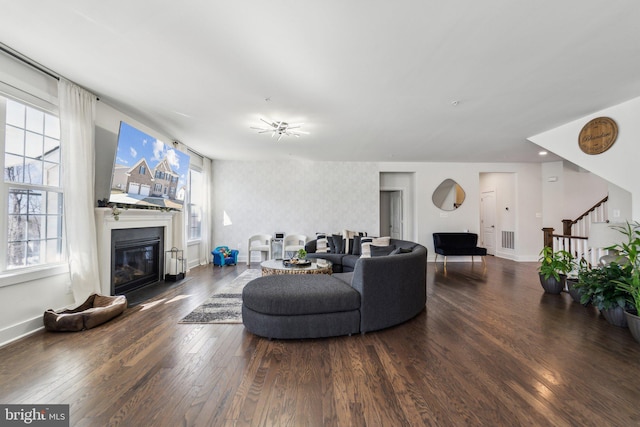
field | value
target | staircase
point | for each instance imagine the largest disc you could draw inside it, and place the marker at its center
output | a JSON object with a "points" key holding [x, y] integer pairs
{"points": [[576, 232]]}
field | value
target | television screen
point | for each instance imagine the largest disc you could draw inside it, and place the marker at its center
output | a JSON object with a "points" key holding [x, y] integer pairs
{"points": [[147, 172]]}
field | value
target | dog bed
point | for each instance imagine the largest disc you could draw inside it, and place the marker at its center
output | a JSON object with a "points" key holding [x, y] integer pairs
{"points": [[96, 310]]}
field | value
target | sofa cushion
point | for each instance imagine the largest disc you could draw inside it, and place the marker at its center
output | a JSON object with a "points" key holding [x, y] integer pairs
{"points": [[381, 250], [338, 244], [348, 236], [401, 251], [299, 294], [376, 241], [349, 262], [322, 243]]}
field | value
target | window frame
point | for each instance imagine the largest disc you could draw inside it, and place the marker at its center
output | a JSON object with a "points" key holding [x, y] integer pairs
{"points": [[190, 204], [26, 273]]}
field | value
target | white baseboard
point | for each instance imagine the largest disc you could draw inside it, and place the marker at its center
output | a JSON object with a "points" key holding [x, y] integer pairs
{"points": [[20, 330]]}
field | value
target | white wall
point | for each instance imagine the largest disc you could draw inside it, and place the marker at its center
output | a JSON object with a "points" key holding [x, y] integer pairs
{"points": [[619, 164], [332, 196], [294, 197]]}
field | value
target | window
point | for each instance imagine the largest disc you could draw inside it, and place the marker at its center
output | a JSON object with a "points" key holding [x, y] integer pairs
{"points": [[194, 204], [32, 190], [142, 169]]}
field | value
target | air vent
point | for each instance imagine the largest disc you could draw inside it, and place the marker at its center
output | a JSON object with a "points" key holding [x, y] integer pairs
{"points": [[508, 240]]}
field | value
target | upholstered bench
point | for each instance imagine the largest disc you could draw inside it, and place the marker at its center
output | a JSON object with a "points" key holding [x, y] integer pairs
{"points": [[300, 306], [457, 244]]}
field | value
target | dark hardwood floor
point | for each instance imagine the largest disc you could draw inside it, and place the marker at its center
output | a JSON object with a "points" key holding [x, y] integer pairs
{"points": [[491, 349]]}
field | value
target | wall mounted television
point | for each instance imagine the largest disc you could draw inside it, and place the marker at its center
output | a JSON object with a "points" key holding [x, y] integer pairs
{"points": [[147, 172]]}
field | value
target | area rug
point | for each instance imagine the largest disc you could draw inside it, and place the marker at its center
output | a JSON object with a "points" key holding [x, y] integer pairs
{"points": [[225, 305]]}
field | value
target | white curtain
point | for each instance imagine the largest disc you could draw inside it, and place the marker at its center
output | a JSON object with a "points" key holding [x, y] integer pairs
{"points": [[207, 238], [77, 112]]}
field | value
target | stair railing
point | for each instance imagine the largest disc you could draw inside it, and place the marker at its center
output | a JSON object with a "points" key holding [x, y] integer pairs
{"points": [[575, 233]]}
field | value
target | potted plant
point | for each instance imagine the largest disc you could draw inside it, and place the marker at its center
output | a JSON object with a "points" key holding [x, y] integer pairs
{"points": [[573, 281], [631, 284], [553, 269], [302, 254], [599, 286]]}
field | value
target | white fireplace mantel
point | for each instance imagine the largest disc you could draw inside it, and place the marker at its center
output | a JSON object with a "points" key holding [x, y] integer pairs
{"points": [[129, 218]]}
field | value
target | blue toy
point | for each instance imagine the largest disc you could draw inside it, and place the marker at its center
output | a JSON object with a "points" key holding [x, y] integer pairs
{"points": [[222, 255]]}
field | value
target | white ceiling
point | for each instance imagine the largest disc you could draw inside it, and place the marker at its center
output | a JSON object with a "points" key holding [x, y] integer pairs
{"points": [[370, 80]]}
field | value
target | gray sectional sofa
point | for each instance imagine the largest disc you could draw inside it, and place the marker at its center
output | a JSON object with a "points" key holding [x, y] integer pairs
{"points": [[389, 290]]}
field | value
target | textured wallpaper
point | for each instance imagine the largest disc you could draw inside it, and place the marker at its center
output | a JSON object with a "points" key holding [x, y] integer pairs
{"points": [[294, 197]]}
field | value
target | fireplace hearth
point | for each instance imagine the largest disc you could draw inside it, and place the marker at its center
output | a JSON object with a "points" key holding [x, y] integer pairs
{"points": [[137, 257]]}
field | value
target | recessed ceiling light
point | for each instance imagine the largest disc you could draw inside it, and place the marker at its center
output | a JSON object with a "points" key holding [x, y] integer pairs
{"points": [[542, 153], [455, 103]]}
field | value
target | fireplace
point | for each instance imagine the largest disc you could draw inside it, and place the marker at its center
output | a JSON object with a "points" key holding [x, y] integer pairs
{"points": [[128, 220], [137, 257]]}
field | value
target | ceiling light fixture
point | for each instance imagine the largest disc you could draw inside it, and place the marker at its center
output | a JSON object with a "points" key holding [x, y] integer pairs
{"points": [[280, 128]]}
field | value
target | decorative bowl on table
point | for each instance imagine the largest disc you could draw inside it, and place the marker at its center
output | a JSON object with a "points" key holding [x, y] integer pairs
{"points": [[294, 262]]}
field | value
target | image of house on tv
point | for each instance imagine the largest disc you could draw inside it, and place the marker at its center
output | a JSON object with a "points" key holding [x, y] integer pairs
{"points": [[147, 171], [141, 180]]}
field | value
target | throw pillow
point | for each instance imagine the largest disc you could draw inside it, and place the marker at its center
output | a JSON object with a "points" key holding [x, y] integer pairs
{"points": [[381, 250], [322, 243], [377, 241], [357, 245], [401, 251], [349, 234], [338, 244]]}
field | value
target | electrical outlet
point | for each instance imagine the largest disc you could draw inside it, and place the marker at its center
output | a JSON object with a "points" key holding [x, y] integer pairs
{"points": [[616, 213]]}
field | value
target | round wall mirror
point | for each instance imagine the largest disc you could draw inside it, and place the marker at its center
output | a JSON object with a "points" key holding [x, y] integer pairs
{"points": [[448, 196]]}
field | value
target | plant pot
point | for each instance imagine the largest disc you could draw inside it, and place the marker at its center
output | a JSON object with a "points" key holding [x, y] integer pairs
{"points": [[575, 293], [615, 316], [551, 285], [634, 325]]}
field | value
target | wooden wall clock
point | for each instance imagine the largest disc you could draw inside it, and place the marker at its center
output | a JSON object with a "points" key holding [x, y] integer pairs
{"points": [[598, 135]]}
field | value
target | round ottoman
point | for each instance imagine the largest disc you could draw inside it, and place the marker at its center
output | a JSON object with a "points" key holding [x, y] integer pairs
{"points": [[300, 306]]}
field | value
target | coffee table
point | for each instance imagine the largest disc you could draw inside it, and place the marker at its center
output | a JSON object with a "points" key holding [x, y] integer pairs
{"points": [[273, 267]]}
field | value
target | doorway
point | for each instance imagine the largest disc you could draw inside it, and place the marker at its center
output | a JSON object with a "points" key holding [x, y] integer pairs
{"points": [[391, 214], [488, 221]]}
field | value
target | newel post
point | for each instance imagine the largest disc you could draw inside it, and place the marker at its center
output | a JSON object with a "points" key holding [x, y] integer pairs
{"points": [[566, 227], [548, 236]]}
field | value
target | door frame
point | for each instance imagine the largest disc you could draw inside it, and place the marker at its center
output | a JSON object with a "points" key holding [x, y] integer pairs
{"points": [[482, 217], [404, 207]]}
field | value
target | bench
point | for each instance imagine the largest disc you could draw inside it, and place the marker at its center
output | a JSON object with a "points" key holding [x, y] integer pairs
{"points": [[457, 244]]}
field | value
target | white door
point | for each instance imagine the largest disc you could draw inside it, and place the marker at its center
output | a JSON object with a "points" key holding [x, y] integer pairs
{"points": [[145, 189], [488, 221], [396, 215], [134, 188]]}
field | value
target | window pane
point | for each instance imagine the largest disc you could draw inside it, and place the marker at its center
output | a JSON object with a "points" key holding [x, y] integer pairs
{"points": [[54, 203], [35, 120], [34, 145], [52, 150], [35, 227], [54, 226], [34, 256], [14, 141], [18, 199], [35, 203], [15, 113], [16, 254], [54, 250], [17, 228], [51, 126], [51, 174], [13, 168], [33, 172]]}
